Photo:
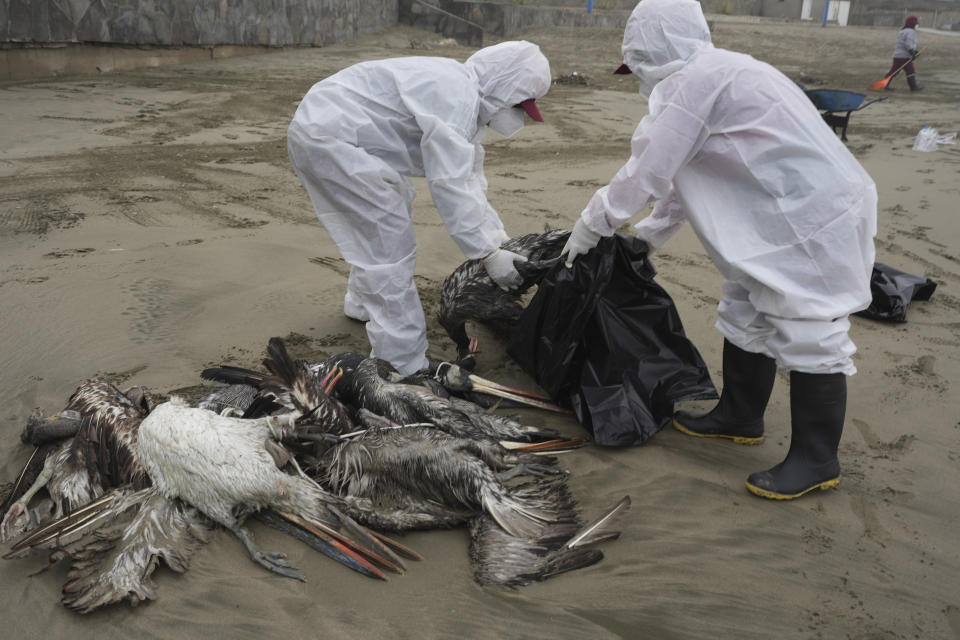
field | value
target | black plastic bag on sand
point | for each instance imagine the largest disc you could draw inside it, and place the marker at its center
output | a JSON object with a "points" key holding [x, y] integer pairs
{"points": [[892, 291], [606, 340]]}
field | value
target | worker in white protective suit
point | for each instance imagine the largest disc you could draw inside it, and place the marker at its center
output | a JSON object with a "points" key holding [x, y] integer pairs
{"points": [[784, 211], [359, 134]]}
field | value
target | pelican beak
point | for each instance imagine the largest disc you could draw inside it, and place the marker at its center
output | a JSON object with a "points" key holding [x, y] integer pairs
{"points": [[330, 380], [400, 549], [489, 387], [456, 378], [548, 447], [328, 542], [374, 544]]}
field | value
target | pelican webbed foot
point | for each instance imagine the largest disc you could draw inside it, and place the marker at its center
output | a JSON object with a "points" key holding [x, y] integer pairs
{"points": [[20, 519], [271, 560], [15, 522]]}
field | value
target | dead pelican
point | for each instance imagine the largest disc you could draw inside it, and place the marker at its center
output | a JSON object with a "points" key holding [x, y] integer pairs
{"points": [[416, 477], [222, 466], [469, 294], [413, 477], [412, 404]]}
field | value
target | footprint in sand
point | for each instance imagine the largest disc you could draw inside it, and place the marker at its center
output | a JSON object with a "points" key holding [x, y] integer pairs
{"points": [[66, 253], [338, 265], [866, 512], [815, 541], [893, 450], [149, 309], [953, 619]]}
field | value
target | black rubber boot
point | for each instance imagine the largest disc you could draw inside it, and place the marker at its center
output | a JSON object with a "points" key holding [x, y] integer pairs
{"points": [[914, 85], [818, 403], [747, 383]]}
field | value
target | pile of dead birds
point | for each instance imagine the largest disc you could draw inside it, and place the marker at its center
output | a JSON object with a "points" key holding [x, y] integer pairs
{"points": [[337, 453]]}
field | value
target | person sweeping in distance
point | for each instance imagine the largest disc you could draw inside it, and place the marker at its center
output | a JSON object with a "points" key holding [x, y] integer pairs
{"points": [[356, 138], [905, 52], [784, 211]]}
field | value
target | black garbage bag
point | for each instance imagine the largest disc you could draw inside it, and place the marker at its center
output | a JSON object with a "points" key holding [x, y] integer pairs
{"points": [[892, 291], [606, 340]]}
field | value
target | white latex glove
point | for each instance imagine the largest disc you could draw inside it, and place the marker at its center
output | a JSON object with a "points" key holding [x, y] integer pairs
{"points": [[500, 268], [581, 240]]}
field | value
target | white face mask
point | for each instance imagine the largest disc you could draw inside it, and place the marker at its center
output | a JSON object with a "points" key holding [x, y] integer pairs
{"points": [[646, 88], [507, 121]]}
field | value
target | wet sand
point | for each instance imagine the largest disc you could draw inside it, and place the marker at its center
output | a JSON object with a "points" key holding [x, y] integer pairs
{"points": [[151, 226]]}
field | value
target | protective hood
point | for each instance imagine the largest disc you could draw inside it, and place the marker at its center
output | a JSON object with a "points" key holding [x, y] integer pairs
{"points": [[509, 73], [660, 36]]}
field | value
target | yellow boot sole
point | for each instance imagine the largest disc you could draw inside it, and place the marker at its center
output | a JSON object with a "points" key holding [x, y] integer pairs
{"points": [[771, 495], [737, 439]]}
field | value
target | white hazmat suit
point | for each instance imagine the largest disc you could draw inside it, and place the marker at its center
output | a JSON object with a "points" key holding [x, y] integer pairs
{"points": [[733, 146], [359, 134]]}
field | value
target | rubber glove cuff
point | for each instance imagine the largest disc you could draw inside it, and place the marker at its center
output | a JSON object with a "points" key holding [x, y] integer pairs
{"points": [[500, 268], [581, 240]]}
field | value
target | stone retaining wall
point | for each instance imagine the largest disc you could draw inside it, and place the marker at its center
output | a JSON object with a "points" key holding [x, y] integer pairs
{"points": [[192, 22], [468, 21]]}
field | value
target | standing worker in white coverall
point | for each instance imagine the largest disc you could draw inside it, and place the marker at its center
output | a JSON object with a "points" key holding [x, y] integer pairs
{"points": [[784, 211], [359, 134]]}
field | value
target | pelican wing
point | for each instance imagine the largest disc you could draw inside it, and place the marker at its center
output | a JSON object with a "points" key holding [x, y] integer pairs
{"points": [[233, 375], [499, 558], [237, 397], [116, 563]]}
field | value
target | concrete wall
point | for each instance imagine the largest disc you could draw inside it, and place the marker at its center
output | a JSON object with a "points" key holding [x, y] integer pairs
{"points": [[894, 17], [733, 7], [193, 22], [468, 21], [781, 9]]}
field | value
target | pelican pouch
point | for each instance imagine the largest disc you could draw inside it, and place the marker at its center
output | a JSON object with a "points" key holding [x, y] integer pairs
{"points": [[606, 340], [892, 291]]}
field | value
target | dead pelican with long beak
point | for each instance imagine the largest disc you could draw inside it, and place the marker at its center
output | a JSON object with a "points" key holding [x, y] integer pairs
{"points": [[469, 293]]}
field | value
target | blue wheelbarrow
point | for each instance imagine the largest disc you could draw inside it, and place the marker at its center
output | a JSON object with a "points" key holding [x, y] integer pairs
{"points": [[834, 102]]}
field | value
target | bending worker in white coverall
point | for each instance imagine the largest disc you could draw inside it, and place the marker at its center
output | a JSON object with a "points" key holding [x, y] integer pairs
{"points": [[784, 211], [358, 134]]}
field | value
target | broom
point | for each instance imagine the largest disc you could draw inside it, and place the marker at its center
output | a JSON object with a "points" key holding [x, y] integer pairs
{"points": [[882, 84]]}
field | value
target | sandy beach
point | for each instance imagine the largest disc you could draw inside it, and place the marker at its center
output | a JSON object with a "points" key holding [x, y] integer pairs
{"points": [[151, 226]]}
